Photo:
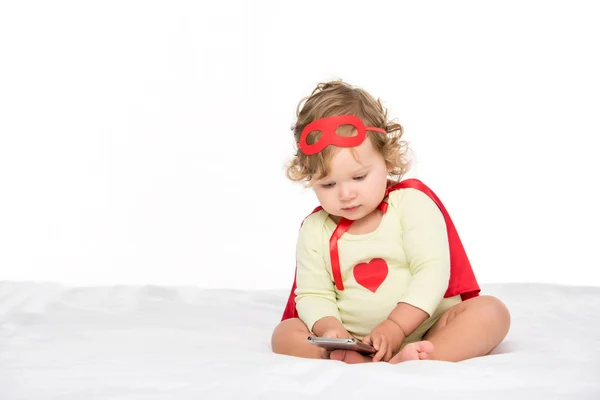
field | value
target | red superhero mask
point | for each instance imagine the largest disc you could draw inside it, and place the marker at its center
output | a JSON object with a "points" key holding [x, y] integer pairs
{"points": [[328, 127]]}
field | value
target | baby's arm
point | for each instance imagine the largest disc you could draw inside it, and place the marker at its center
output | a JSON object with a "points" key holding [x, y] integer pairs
{"points": [[407, 318], [315, 292], [427, 251]]}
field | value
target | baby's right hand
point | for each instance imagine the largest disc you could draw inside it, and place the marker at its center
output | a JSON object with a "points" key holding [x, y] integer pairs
{"points": [[330, 327], [336, 333]]}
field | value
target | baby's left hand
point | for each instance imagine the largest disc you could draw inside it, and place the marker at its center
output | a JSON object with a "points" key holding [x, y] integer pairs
{"points": [[386, 338]]}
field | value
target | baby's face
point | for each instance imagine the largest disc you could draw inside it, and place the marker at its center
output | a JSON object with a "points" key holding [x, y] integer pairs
{"points": [[356, 183]]}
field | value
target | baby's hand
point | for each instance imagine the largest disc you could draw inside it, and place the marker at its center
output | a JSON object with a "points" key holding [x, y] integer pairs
{"points": [[336, 333], [386, 338]]}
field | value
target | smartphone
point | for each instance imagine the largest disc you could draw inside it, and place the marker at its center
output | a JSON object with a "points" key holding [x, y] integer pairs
{"points": [[342, 344]]}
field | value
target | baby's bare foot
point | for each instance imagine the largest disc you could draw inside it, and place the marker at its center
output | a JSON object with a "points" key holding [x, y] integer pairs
{"points": [[349, 356], [413, 351]]}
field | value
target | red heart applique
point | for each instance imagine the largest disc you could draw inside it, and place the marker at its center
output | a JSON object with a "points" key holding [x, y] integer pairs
{"points": [[372, 274]]}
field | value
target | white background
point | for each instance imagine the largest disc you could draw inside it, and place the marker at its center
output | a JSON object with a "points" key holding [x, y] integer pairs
{"points": [[144, 142]]}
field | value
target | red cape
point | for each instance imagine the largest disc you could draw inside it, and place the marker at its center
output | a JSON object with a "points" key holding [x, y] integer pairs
{"points": [[462, 279]]}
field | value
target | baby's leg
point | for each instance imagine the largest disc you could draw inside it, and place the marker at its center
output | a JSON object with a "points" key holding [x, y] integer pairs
{"points": [[289, 338], [349, 357], [470, 329]]}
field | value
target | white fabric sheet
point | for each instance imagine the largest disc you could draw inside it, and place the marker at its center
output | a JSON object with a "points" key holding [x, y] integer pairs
{"points": [[152, 342]]}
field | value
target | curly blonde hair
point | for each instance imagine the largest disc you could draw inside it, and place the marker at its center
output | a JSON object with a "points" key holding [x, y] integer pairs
{"points": [[339, 98]]}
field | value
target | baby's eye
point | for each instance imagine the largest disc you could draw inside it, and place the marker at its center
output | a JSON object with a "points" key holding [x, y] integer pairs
{"points": [[360, 178], [328, 185]]}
